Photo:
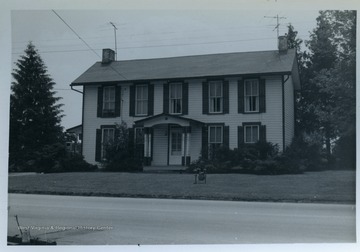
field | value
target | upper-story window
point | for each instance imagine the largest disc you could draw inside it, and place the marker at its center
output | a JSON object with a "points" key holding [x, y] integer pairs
{"points": [[141, 102], [251, 95], [108, 101], [175, 94], [215, 97]]}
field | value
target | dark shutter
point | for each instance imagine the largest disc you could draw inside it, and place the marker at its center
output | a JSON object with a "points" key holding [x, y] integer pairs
{"points": [[240, 136], [132, 101], [151, 100], [117, 100], [262, 106], [166, 98], [185, 98], [226, 97], [204, 142], [100, 102], [262, 133], [205, 89], [131, 138], [98, 146], [226, 136], [241, 102]]}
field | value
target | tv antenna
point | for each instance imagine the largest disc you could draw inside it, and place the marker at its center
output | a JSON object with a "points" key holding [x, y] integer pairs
{"points": [[115, 28], [277, 22]]}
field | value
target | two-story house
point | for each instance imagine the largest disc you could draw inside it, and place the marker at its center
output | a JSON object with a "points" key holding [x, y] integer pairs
{"points": [[179, 106]]}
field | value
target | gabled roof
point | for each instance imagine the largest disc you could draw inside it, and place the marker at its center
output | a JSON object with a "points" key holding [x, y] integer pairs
{"points": [[75, 128], [198, 66]]}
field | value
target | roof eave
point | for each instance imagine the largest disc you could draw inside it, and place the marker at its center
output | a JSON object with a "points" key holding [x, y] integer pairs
{"points": [[178, 78]]}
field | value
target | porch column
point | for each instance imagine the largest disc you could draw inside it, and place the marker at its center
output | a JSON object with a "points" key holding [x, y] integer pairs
{"points": [[147, 146], [183, 149], [187, 151], [188, 138]]}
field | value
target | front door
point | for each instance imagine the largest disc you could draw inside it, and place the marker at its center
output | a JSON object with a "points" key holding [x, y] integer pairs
{"points": [[175, 146]]}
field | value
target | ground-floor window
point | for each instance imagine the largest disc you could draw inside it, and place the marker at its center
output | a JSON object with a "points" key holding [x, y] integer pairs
{"points": [[251, 133], [108, 137], [215, 139]]}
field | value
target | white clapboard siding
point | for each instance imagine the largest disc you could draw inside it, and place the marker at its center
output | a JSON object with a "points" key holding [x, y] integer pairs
{"points": [[272, 118]]}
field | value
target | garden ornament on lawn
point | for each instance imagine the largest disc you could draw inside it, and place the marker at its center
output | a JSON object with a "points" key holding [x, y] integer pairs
{"points": [[200, 175]]}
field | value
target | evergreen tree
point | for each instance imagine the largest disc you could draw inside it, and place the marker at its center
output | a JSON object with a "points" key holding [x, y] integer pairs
{"points": [[35, 114]]}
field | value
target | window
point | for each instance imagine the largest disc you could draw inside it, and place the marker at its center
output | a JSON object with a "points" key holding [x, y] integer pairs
{"points": [[108, 137], [141, 102], [109, 101], [215, 134], [176, 98], [215, 97], [251, 133], [251, 95]]}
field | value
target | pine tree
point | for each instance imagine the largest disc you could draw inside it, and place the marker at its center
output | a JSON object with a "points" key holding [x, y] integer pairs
{"points": [[35, 113]]}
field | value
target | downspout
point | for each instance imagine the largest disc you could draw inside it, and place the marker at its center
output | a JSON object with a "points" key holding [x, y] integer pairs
{"points": [[283, 108], [72, 88], [82, 117]]}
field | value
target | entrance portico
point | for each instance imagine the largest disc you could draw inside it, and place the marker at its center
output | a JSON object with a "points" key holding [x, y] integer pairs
{"points": [[168, 139]]}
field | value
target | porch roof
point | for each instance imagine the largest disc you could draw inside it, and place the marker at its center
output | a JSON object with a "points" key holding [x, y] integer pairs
{"points": [[166, 119]]}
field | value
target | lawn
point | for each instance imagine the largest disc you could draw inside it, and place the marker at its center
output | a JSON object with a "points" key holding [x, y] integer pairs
{"points": [[325, 186]]}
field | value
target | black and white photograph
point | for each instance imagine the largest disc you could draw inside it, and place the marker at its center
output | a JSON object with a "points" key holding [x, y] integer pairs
{"points": [[179, 125]]}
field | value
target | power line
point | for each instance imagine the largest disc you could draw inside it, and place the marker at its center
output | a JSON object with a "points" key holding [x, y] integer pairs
{"points": [[76, 33], [154, 46], [86, 43]]}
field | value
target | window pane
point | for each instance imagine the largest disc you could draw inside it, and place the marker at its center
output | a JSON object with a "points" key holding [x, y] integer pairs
{"points": [[248, 134], [218, 135], [248, 88], [212, 89], [255, 90], [218, 89], [255, 134]]}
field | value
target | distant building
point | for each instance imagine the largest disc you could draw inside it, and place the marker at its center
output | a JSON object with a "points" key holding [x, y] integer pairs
{"points": [[176, 107], [75, 144]]}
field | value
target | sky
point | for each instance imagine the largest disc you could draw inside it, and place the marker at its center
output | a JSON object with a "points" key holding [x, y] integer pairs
{"points": [[142, 34], [146, 29]]}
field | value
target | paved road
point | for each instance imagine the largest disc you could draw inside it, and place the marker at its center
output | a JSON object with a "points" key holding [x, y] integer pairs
{"points": [[125, 221]]}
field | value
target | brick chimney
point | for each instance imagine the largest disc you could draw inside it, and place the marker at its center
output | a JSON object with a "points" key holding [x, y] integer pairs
{"points": [[282, 44], [108, 56]]}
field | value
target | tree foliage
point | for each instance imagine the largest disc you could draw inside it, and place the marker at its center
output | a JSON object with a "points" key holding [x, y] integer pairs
{"points": [[327, 102], [35, 113]]}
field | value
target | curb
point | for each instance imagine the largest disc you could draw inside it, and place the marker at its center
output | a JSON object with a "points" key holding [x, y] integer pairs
{"points": [[189, 197]]}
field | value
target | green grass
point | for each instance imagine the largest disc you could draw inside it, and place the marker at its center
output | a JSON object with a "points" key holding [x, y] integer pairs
{"points": [[325, 186]]}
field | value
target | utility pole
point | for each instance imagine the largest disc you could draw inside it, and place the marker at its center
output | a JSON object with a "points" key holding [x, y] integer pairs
{"points": [[115, 39], [277, 23]]}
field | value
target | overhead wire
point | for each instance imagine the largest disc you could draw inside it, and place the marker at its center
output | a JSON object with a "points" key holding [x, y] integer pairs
{"points": [[87, 43]]}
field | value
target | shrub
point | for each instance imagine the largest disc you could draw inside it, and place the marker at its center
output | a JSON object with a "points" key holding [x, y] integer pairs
{"points": [[121, 154], [345, 152], [307, 156]]}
